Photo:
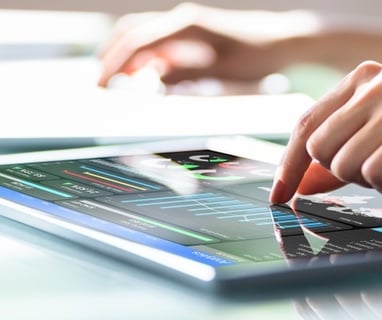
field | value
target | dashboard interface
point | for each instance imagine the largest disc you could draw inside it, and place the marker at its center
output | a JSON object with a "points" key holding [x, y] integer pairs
{"points": [[202, 205]]}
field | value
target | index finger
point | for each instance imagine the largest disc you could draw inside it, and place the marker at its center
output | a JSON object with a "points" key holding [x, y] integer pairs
{"points": [[296, 158]]}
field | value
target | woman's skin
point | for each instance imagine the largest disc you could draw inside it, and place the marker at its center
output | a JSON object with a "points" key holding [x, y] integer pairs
{"points": [[193, 41], [338, 141], [342, 132]]}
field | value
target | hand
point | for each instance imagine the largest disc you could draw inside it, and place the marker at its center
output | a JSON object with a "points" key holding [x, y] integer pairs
{"points": [[193, 41], [342, 132]]}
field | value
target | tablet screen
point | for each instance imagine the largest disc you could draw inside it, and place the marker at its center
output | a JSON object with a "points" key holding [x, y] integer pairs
{"points": [[204, 210]]}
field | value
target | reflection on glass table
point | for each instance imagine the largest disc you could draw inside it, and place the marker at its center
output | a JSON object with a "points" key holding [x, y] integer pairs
{"points": [[42, 275]]}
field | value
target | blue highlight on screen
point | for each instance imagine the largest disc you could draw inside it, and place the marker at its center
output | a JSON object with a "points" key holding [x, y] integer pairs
{"points": [[77, 217], [290, 221]]}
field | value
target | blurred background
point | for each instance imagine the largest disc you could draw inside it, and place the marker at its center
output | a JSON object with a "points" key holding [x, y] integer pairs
{"points": [[41, 29], [368, 7]]}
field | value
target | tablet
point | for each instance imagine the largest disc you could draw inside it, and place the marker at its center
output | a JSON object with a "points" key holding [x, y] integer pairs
{"points": [[196, 211]]}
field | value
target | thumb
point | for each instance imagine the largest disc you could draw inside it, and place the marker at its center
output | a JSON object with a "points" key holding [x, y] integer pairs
{"points": [[318, 179]]}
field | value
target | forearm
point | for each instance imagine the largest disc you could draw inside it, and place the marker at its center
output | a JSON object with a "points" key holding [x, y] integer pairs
{"points": [[338, 41], [281, 39], [343, 50]]}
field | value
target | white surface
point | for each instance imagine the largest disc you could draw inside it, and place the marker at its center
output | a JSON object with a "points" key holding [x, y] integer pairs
{"points": [[59, 98]]}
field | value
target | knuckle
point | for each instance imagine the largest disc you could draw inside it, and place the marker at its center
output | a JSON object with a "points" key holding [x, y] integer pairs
{"points": [[342, 171], [372, 174], [305, 131], [367, 69], [305, 124], [314, 148]]}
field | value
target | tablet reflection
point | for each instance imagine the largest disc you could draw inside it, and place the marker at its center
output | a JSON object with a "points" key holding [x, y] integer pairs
{"points": [[344, 303], [189, 172], [319, 243], [162, 170], [362, 302]]}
